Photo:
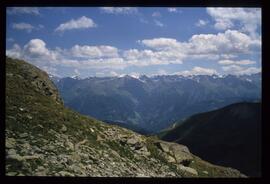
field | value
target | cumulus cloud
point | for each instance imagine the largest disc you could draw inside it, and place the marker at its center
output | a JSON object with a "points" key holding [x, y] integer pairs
{"points": [[94, 51], [23, 10], [15, 52], [248, 18], [26, 27], [23, 26], [119, 10], [160, 43], [197, 71], [148, 57], [240, 62], [221, 47], [80, 23], [201, 23], [239, 70], [230, 42]]}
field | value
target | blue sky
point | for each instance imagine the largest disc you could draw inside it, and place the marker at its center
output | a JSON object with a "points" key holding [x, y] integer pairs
{"points": [[114, 41]]}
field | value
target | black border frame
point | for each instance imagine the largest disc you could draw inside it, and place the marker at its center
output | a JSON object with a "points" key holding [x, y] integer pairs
{"points": [[144, 3]]}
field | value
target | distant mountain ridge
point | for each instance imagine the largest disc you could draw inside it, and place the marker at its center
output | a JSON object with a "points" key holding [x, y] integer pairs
{"points": [[154, 103], [230, 136]]}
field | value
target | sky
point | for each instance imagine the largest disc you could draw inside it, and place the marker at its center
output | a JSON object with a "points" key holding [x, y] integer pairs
{"points": [[117, 41]]}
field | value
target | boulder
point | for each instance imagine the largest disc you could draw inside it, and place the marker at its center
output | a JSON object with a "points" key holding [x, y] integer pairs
{"points": [[188, 170], [181, 154], [164, 146]]}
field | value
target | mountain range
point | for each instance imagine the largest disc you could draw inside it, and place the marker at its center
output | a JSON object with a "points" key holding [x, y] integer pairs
{"points": [[155, 103]]}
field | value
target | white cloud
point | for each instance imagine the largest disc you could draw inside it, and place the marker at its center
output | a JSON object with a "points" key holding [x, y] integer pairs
{"points": [[51, 70], [239, 70], [240, 62], [161, 43], [149, 57], [197, 71], [172, 10], [119, 10], [94, 51], [158, 51], [15, 52], [156, 14], [230, 42], [248, 18], [201, 23], [76, 71], [23, 10], [23, 26], [80, 23], [113, 73], [26, 27], [203, 45], [36, 47], [158, 23], [161, 72]]}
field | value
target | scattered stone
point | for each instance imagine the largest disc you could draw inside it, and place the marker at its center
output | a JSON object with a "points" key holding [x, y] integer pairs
{"points": [[170, 159], [10, 143], [133, 140], [26, 146], [30, 157], [205, 172], [40, 168], [65, 173], [99, 138], [11, 173], [12, 152], [29, 117], [41, 173], [69, 145], [63, 129], [10, 74], [40, 126], [15, 157], [76, 147], [23, 135]]}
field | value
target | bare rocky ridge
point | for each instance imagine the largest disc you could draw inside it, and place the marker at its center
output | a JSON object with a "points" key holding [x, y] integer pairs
{"points": [[43, 138]]}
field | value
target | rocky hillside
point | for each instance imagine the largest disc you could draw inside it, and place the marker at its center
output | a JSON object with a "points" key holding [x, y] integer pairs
{"points": [[43, 138], [230, 136]]}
